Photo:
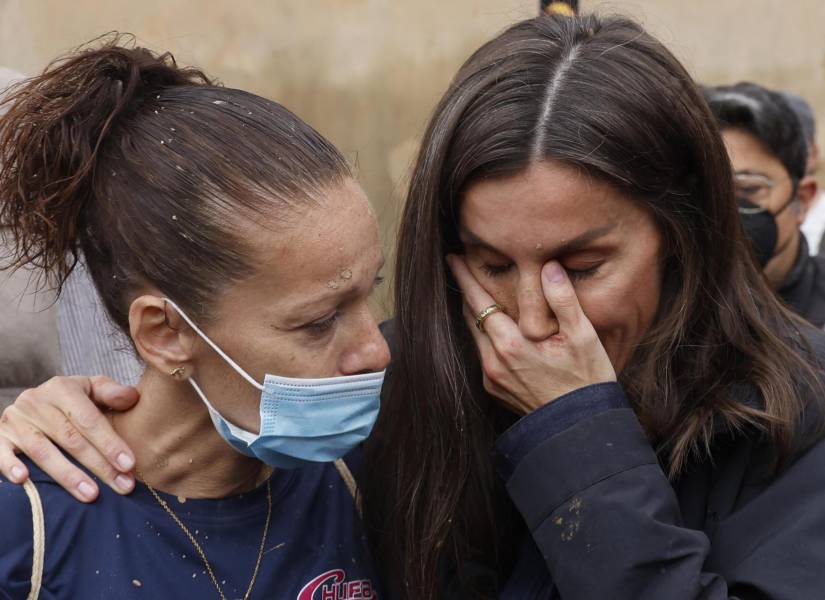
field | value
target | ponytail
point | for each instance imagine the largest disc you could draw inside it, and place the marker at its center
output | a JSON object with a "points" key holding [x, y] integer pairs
{"points": [[145, 169], [51, 139]]}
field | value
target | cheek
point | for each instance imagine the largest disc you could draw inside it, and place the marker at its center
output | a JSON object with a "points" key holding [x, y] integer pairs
{"points": [[503, 289], [259, 349], [788, 222], [622, 310]]}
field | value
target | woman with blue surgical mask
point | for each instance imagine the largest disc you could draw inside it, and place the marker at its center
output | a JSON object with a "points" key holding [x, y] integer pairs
{"points": [[230, 241]]}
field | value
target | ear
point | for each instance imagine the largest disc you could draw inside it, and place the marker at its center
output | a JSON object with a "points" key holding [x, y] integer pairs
{"points": [[161, 337], [813, 159], [806, 192]]}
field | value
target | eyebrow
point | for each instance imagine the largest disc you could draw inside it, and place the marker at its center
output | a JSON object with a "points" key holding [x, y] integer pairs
{"points": [[343, 291], [577, 243], [752, 174]]}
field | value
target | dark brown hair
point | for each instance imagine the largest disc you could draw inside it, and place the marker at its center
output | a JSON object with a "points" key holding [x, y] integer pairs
{"points": [[147, 169], [604, 96]]}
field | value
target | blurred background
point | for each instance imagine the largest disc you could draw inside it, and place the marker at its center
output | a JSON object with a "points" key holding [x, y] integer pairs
{"points": [[367, 73]]}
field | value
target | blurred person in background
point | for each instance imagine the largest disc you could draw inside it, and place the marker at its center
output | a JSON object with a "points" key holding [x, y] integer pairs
{"points": [[29, 352], [814, 225], [42, 335], [768, 150], [575, 295]]}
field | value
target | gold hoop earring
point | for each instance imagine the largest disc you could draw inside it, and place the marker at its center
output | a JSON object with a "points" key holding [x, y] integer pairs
{"points": [[178, 372]]}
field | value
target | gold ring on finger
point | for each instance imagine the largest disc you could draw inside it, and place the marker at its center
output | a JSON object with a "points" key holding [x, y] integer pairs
{"points": [[482, 316]]}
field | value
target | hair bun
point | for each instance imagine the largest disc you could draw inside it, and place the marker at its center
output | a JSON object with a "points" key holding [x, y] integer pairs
{"points": [[51, 137]]}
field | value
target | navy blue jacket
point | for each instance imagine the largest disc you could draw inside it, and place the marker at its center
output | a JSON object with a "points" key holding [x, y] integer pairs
{"points": [[606, 523]]}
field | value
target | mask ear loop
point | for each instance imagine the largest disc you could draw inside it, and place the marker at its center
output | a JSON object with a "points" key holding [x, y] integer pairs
{"points": [[794, 197], [216, 348]]}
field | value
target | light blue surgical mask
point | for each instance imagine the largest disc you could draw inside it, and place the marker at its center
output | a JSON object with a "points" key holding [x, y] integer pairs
{"points": [[303, 421]]}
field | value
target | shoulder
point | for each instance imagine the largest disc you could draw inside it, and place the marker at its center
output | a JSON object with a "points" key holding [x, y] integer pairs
{"points": [[818, 260], [812, 420], [14, 500], [814, 339], [63, 514], [16, 540]]}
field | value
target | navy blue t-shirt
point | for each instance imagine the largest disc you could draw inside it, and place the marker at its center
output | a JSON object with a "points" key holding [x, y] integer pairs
{"points": [[128, 547]]}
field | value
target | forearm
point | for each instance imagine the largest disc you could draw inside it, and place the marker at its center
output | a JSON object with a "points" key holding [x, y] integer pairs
{"points": [[599, 507]]}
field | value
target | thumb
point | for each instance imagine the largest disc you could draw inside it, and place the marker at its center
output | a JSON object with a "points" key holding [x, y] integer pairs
{"points": [[107, 392], [561, 297]]}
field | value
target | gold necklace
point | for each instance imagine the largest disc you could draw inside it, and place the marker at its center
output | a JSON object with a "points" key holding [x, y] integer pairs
{"points": [[197, 546]]}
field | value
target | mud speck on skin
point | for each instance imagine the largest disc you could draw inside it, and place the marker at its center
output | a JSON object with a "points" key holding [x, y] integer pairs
{"points": [[332, 284], [181, 499], [345, 274]]}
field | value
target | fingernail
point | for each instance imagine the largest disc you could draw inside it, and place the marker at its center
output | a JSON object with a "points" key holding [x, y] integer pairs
{"points": [[86, 490], [124, 483], [111, 388], [554, 273], [17, 474], [125, 462]]}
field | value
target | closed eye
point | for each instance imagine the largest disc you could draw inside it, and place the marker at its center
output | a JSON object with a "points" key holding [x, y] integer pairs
{"points": [[573, 274], [319, 328], [579, 274], [324, 325], [496, 270]]}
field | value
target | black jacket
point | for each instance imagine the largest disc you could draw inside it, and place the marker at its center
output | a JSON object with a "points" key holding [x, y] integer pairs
{"points": [[606, 523], [804, 288]]}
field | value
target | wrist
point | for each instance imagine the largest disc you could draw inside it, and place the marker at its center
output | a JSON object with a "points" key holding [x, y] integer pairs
{"points": [[552, 419]]}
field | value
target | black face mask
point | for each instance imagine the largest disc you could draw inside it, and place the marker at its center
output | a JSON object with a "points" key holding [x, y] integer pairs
{"points": [[761, 229]]}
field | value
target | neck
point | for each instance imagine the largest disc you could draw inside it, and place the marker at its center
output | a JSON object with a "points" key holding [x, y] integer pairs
{"points": [[178, 450]]}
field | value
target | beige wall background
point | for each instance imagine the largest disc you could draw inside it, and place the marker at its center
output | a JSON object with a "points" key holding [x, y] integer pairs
{"points": [[367, 73]]}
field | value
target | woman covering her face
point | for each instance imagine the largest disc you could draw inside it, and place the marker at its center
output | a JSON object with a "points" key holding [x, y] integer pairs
{"points": [[594, 393], [229, 240], [653, 412]]}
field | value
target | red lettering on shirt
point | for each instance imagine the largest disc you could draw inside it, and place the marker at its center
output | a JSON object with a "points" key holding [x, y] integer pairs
{"points": [[332, 585]]}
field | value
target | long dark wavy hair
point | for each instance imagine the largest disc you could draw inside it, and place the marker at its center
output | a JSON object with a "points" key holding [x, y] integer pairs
{"points": [[606, 97]]}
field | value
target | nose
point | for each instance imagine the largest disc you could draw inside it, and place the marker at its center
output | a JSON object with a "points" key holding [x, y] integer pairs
{"points": [[368, 350], [536, 320]]}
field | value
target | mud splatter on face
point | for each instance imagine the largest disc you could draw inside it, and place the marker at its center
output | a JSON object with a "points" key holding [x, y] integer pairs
{"points": [[345, 274], [332, 284]]}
